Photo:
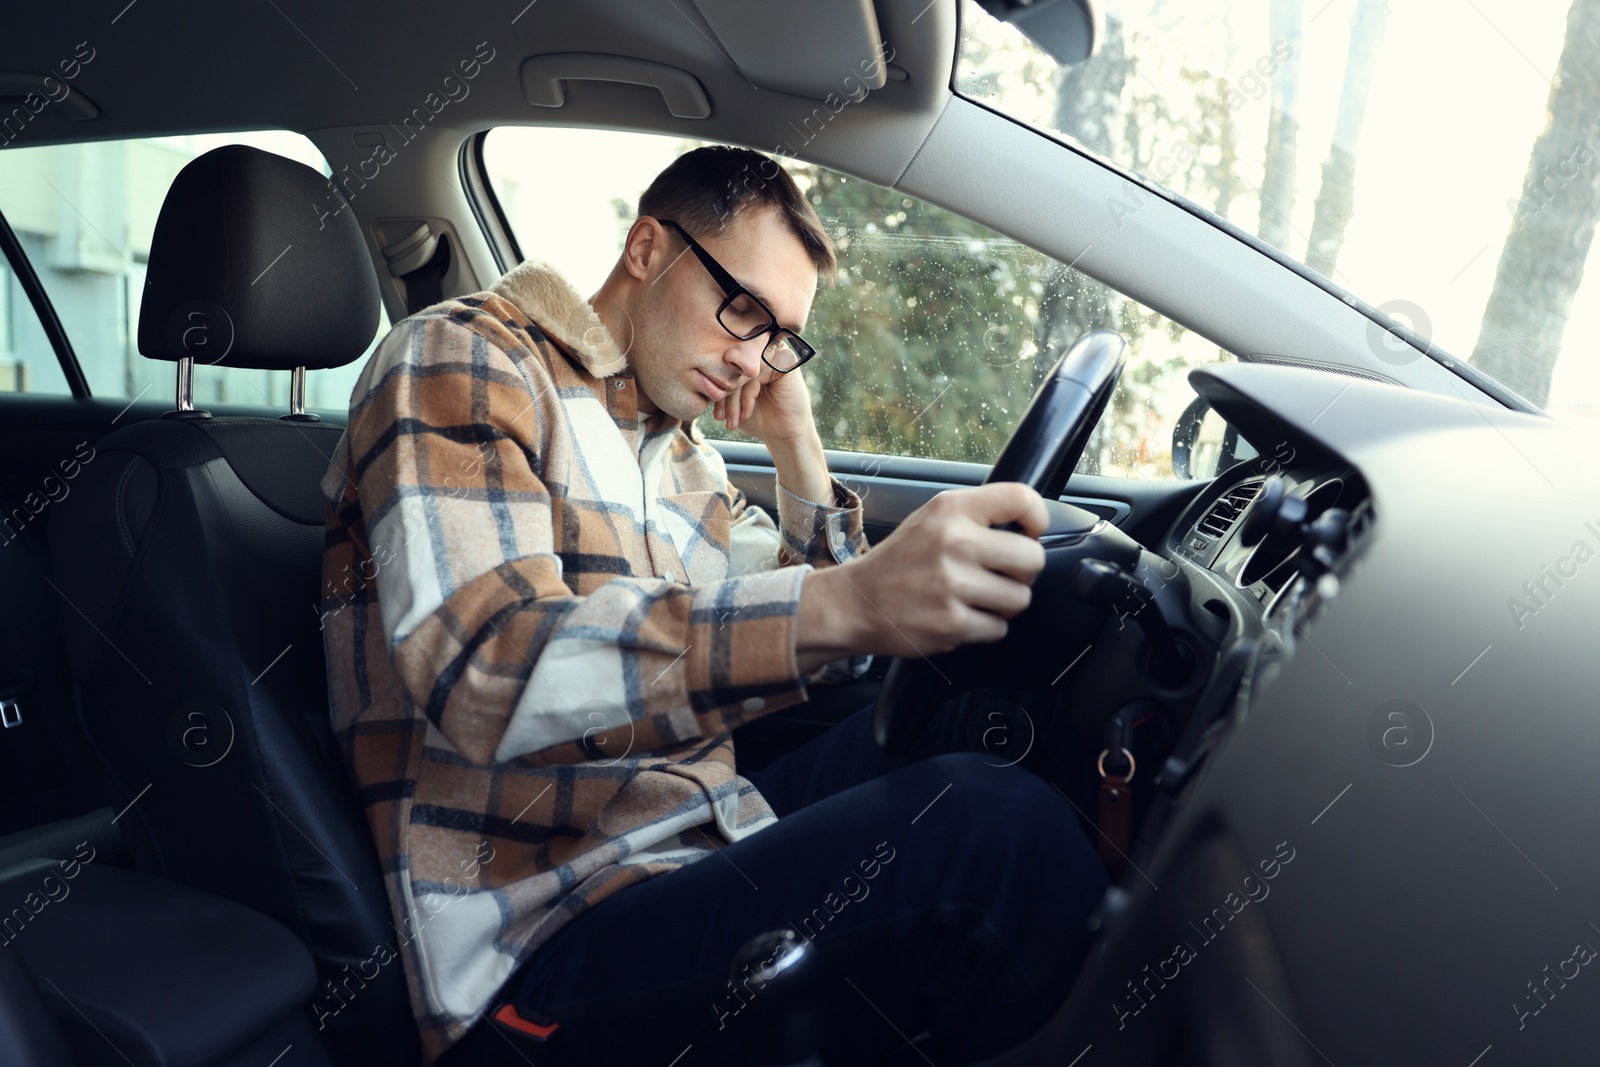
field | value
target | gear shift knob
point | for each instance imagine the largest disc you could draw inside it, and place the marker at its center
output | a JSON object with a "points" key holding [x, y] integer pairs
{"points": [[777, 975]]}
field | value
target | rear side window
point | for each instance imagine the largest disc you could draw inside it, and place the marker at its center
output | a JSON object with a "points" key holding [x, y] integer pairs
{"points": [[84, 215], [27, 362]]}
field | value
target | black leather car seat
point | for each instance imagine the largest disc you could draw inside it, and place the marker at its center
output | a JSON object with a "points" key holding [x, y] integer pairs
{"points": [[190, 558], [29, 1037]]}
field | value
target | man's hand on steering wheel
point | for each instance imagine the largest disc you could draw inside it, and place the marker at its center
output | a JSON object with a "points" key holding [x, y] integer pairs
{"points": [[1042, 452], [944, 578]]}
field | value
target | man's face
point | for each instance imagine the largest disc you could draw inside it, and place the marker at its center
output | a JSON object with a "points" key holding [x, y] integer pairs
{"points": [[681, 356]]}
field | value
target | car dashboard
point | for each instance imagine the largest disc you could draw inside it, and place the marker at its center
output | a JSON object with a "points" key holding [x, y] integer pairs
{"points": [[1383, 585], [1270, 569]]}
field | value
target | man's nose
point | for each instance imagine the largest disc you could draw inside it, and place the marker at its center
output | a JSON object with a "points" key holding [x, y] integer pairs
{"points": [[745, 356]]}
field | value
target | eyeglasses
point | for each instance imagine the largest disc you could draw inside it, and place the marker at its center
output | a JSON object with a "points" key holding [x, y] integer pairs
{"points": [[744, 316]]}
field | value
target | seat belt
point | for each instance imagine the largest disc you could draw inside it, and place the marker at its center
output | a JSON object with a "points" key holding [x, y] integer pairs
{"points": [[420, 260], [425, 285]]}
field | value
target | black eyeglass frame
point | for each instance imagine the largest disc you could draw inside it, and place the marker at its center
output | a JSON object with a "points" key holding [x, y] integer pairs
{"points": [[732, 291]]}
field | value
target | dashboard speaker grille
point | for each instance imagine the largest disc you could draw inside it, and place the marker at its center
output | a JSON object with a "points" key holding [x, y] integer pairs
{"points": [[1326, 368]]}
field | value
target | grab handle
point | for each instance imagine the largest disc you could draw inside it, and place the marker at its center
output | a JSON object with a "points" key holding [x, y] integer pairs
{"points": [[542, 78]]}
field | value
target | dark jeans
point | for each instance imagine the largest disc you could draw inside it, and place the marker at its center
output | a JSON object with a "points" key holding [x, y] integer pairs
{"points": [[948, 894]]}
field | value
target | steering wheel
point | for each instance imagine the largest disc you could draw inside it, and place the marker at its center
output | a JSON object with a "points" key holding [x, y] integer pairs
{"points": [[1041, 454]]}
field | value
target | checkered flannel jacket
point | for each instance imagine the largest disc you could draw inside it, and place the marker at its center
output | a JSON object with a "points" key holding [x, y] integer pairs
{"points": [[543, 615]]}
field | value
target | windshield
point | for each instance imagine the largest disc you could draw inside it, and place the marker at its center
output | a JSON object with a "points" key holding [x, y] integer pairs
{"points": [[1441, 167]]}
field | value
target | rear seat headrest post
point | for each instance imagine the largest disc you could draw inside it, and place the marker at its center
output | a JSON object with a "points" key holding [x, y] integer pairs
{"points": [[297, 399], [186, 408]]}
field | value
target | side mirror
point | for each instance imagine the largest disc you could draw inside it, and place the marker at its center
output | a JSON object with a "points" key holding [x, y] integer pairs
{"points": [[1204, 444], [1068, 31]]}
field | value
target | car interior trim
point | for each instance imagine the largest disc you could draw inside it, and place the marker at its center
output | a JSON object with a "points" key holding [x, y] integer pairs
{"points": [[486, 207], [818, 37]]}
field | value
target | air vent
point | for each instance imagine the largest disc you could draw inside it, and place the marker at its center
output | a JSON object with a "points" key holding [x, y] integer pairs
{"points": [[1226, 511]]}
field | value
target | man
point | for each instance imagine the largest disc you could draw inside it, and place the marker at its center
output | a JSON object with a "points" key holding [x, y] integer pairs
{"points": [[546, 608]]}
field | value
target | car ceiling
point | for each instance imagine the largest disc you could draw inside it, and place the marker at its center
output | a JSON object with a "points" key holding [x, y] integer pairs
{"points": [[162, 67]]}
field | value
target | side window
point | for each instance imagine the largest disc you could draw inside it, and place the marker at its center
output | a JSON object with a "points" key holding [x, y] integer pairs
{"points": [[931, 337], [27, 362], [84, 215]]}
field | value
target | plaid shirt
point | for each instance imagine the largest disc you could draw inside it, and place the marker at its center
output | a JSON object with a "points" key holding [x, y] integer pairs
{"points": [[543, 616]]}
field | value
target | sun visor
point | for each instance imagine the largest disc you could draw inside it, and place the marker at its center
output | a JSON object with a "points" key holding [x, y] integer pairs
{"points": [[807, 49]]}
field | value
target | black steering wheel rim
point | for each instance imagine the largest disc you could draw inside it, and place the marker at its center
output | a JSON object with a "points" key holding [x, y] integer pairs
{"points": [[1042, 452], [1061, 417]]}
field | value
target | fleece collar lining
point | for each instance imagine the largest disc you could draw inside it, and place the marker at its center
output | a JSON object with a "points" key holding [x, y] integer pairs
{"points": [[541, 293]]}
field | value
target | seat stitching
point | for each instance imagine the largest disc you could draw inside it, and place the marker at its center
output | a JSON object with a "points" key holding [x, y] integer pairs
{"points": [[127, 535]]}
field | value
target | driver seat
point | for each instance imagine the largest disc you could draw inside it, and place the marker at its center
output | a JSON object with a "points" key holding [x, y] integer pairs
{"points": [[190, 560]]}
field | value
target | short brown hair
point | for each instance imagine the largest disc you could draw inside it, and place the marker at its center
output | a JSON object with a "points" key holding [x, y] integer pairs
{"points": [[701, 190]]}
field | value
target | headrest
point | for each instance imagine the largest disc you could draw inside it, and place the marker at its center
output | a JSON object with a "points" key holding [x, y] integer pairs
{"points": [[248, 268]]}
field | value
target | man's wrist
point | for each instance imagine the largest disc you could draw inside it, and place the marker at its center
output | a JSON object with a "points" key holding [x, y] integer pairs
{"points": [[802, 467], [825, 627]]}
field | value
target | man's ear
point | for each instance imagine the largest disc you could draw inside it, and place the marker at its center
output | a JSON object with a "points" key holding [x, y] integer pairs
{"points": [[644, 249]]}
